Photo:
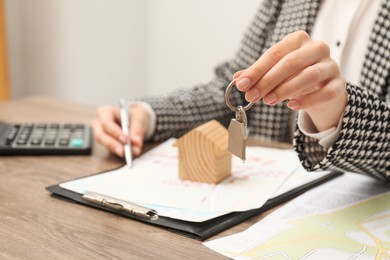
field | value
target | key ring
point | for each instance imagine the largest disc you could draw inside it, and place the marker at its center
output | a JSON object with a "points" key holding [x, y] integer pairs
{"points": [[229, 104]]}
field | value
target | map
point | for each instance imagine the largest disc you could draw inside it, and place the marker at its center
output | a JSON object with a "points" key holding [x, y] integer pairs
{"points": [[330, 222], [356, 231]]}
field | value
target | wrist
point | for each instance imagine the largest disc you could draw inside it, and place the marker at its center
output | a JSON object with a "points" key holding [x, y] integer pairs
{"points": [[325, 138], [327, 115]]}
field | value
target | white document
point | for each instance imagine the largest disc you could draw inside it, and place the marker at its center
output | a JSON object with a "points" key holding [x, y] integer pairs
{"points": [[345, 218], [153, 181]]}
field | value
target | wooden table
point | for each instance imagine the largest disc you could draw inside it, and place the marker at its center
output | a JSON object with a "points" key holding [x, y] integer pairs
{"points": [[35, 225]]}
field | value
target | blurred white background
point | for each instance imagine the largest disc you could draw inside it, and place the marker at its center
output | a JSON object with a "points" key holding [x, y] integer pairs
{"points": [[96, 51]]}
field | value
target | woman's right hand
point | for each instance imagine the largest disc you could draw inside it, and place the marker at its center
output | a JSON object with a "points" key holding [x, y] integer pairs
{"points": [[107, 129]]}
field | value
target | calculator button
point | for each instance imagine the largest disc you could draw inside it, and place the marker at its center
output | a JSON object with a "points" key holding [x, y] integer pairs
{"points": [[51, 134], [36, 141], [41, 126], [21, 141], [64, 137], [65, 132], [63, 141], [77, 142], [50, 141], [23, 136], [37, 133], [26, 131]]}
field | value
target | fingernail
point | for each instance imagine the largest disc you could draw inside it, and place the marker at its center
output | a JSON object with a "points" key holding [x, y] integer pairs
{"points": [[252, 94], [293, 104], [270, 99], [243, 84]]}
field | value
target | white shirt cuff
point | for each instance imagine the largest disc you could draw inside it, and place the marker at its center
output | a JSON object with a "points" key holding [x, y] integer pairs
{"points": [[325, 138]]}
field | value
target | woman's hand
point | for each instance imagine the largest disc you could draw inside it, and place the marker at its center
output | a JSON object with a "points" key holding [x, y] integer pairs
{"points": [[300, 70], [108, 132]]}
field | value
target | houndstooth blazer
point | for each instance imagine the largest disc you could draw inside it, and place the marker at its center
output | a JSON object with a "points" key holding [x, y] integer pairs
{"points": [[363, 145]]}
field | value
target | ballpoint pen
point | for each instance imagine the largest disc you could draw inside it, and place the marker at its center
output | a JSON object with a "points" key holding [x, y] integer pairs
{"points": [[125, 128]]}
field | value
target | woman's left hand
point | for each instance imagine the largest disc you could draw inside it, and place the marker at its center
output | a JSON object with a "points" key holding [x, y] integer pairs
{"points": [[300, 70]]}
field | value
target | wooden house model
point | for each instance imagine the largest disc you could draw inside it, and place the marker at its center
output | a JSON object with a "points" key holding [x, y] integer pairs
{"points": [[203, 154]]}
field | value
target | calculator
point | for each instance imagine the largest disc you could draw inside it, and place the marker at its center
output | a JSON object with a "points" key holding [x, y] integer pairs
{"points": [[45, 139]]}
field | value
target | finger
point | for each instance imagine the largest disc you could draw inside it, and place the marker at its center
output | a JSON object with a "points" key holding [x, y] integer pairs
{"points": [[139, 122], [290, 65], [326, 106], [332, 90], [109, 118], [136, 137], [270, 57], [111, 143], [238, 74], [307, 81]]}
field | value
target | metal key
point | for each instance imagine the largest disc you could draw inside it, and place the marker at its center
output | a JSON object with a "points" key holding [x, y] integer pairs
{"points": [[237, 130]]}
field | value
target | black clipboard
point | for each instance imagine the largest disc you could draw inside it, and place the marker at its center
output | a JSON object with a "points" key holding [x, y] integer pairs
{"points": [[197, 230]]}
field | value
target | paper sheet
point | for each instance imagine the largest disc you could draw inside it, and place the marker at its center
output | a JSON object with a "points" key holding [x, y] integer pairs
{"points": [[153, 181], [339, 220], [298, 178]]}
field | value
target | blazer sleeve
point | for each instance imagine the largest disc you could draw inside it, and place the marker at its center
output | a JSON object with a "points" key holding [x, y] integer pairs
{"points": [[182, 110], [364, 142]]}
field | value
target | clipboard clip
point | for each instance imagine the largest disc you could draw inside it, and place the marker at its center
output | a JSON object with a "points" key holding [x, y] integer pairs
{"points": [[120, 205]]}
